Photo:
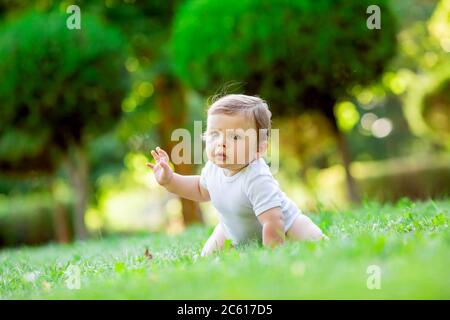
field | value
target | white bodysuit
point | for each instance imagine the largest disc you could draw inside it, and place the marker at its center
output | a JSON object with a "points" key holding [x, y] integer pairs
{"points": [[240, 198]]}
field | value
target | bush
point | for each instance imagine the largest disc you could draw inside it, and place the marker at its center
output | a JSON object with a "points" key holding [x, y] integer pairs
{"points": [[57, 85], [29, 219], [296, 54]]}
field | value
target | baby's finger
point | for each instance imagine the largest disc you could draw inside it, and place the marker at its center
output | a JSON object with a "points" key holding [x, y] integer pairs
{"points": [[162, 153], [151, 166], [165, 166], [155, 155]]}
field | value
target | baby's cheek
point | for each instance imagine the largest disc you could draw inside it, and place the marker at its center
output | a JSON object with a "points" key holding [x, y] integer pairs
{"points": [[249, 149], [209, 150], [241, 153]]}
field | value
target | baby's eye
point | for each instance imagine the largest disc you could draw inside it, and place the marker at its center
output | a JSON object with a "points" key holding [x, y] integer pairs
{"points": [[213, 134], [237, 137]]}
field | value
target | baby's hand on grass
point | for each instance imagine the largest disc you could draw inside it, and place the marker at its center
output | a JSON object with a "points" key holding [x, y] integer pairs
{"points": [[161, 170]]}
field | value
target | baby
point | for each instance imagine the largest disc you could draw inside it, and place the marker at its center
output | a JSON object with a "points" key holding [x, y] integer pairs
{"points": [[237, 179]]}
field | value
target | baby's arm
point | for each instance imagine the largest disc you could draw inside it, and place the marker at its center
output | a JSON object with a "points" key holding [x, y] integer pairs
{"points": [[188, 187], [185, 186], [273, 227]]}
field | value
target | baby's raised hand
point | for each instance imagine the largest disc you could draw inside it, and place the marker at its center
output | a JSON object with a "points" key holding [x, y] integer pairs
{"points": [[161, 170]]}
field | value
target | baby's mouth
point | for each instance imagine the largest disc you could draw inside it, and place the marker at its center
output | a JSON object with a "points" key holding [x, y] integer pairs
{"points": [[221, 156]]}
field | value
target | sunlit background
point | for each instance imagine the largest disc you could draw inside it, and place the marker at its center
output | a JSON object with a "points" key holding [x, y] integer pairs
{"points": [[363, 115]]}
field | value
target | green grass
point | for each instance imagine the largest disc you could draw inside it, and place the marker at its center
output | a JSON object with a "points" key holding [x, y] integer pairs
{"points": [[408, 241]]}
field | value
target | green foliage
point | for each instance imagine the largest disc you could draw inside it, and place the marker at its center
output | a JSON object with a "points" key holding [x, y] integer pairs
{"points": [[296, 54], [426, 106], [428, 177], [404, 239], [58, 86], [436, 109], [29, 219]]}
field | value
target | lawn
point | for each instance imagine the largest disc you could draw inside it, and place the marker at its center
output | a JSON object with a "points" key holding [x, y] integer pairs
{"points": [[407, 242]]}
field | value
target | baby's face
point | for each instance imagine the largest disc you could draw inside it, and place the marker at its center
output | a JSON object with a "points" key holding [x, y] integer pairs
{"points": [[231, 141]]}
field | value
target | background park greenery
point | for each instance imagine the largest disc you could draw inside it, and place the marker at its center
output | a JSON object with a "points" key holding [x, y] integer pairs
{"points": [[364, 120]]}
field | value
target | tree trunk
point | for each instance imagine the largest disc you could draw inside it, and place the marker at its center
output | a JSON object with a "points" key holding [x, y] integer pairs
{"points": [[170, 100], [61, 224], [346, 160], [77, 169], [343, 148], [191, 209]]}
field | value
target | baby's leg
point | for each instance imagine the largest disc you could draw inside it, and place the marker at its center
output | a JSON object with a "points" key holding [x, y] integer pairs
{"points": [[304, 229], [215, 241]]}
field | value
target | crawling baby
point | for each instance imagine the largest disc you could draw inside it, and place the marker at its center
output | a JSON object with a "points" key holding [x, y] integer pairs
{"points": [[237, 179]]}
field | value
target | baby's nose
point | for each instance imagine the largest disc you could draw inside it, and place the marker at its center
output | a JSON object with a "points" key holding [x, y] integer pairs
{"points": [[221, 146], [223, 141]]}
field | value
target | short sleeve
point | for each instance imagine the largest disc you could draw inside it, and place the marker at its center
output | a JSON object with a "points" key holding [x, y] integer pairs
{"points": [[204, 174], [263, 192]]}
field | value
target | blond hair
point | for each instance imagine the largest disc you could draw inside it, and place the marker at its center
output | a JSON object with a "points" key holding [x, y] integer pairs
{"points": [[252, 106]]}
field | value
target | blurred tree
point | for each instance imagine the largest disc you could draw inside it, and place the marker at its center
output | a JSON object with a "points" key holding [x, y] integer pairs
{"points": [[157, 103], [421, 73], [298, 55], [147, 25], [436, 110], [59, 89], [428, 104]]}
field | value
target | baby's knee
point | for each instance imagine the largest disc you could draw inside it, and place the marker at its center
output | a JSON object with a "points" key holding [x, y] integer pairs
{"points": [[207, 250], [212, 244]]}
